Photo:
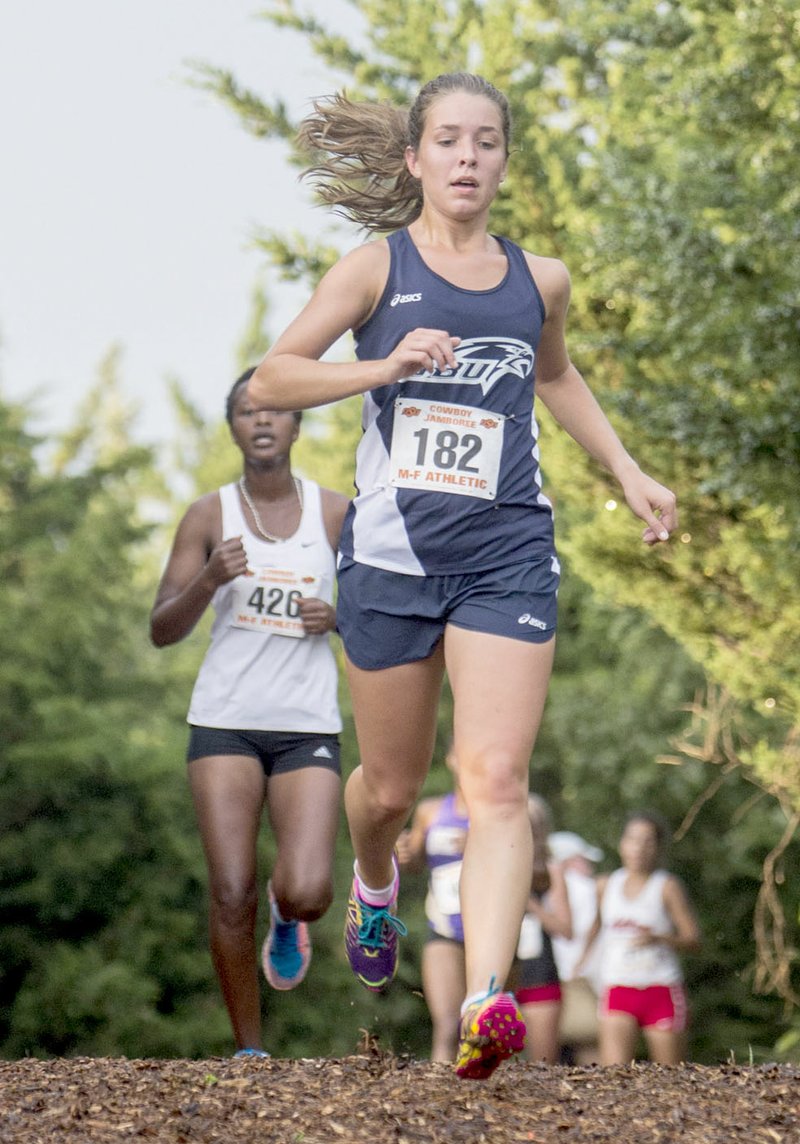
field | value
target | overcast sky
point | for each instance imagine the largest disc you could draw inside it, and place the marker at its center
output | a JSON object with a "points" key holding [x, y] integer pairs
{"points": [[128, 198]]}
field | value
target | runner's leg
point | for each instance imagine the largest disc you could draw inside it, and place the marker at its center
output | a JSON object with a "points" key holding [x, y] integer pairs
{"points": [[665, 1047], [499, 688], [618, 1034], [395, 711], [304, 813], [541, 1021], [228, 793], [444, 986]]}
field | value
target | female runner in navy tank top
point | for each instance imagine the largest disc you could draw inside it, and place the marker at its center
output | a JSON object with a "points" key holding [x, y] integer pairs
{"points": [[447, 557]]}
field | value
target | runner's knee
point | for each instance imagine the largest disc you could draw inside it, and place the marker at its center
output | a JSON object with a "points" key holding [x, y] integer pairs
{"points": [[303, 895], [233, 903], [494, 782]]}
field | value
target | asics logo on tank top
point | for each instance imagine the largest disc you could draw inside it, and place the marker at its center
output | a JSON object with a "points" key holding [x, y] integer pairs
{"points": [[399, 299], [483, 361]]}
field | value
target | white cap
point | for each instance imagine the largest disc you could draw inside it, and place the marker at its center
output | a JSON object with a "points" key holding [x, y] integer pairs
{"points": [[566, 844]]}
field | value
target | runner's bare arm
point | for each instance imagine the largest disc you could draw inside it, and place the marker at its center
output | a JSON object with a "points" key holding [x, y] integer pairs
{"points": [[411, 843], [334, 507], [291, 376], [318, 616], [594, 930], [198, 563], [567, 396], [687, 937], [554, 911]]}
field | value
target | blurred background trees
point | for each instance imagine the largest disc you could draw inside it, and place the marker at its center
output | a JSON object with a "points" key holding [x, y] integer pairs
{"points": [[655, 152]]}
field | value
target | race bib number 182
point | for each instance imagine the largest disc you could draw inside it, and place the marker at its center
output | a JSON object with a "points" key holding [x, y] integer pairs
{"points": [[268, 601], [446, 448]]}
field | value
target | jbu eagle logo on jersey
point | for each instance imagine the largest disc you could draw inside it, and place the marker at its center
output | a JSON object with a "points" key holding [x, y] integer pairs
{"points": [[483, 361]]}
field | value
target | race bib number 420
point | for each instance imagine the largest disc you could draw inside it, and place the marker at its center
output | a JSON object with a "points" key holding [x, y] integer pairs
{"points": [[446, 448], [268, 601]]}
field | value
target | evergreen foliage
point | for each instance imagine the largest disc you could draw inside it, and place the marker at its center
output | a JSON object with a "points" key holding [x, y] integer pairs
{"points": [[655, 153], [96, 846]]}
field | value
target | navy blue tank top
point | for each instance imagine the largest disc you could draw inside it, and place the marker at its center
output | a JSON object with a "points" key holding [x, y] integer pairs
{"points": [[447, 470]]}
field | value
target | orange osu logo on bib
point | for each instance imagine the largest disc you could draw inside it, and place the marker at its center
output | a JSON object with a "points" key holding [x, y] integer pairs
{"points": [[269, 601], [446, 448]]}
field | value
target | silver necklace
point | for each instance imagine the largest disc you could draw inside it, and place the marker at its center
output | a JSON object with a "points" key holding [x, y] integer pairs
{"points": [[298, 488]]}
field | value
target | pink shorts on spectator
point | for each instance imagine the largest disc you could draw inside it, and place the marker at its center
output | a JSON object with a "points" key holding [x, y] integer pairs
{"points": [[532, 994], [653, 1007]]}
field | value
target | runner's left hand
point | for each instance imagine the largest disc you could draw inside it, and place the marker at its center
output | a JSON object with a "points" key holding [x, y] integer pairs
{"points": [[654, 504], [317, 616]]}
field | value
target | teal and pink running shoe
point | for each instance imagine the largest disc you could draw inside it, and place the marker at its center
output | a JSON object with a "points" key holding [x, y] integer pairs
{"points": [[492, 1030], [370, 939], [287, 950]]}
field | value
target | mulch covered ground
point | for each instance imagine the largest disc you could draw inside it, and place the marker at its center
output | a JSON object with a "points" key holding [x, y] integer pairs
{"points": [[383, 1099]]}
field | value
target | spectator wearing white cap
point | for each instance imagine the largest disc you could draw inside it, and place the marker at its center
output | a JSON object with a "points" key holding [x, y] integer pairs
{"points": [[579, 1025]]}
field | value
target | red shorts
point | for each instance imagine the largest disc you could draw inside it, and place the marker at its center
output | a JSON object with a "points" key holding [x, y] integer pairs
{"points": [[652, 1007], [531, 994]]}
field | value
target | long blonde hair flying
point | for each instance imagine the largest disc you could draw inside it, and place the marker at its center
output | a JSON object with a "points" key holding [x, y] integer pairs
{"points": [[359, 151]]}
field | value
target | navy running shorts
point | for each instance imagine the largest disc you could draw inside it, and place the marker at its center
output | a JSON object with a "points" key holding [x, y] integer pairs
{"points": [[390, 618], [278, 751]]}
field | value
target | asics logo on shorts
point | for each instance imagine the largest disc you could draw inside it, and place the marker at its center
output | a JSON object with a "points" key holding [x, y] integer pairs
{"points": [[531, 621], [483, 361]]}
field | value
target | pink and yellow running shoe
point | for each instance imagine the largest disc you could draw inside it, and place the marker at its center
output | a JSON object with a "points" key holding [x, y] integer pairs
{"points": [[492, 1030]]}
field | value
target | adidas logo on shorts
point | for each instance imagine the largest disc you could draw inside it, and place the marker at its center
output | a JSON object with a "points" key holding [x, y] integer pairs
{"points": [[322, 753]]}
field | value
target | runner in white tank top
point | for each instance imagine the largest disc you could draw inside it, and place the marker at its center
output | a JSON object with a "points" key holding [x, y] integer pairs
{"points": [[258, 626], [625, 960], [264, 715], [644, 921]]}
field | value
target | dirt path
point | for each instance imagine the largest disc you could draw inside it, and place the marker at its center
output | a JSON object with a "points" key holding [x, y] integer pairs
{"points": [[388, 1100]]}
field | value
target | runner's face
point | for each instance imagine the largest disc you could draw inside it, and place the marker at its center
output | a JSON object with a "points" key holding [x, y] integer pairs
{"points": [[265, 435], [638, 846], [461, 158]]}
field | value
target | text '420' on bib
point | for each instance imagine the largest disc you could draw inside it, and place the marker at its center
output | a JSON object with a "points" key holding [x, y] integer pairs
{"points": [[268, 601], [446, 448]]}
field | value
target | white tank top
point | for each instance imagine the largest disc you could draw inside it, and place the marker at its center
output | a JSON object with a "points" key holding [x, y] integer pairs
{"points": [[260, 673], [622, 963]]}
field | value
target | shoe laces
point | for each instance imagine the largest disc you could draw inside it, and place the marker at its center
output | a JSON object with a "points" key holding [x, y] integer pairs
{"points": [[481, 998], [373, 921]]}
